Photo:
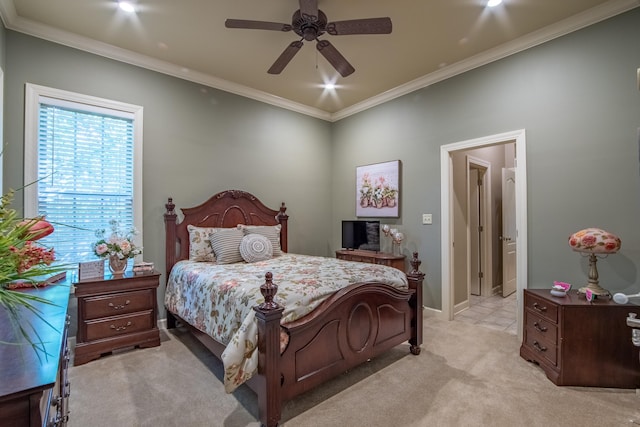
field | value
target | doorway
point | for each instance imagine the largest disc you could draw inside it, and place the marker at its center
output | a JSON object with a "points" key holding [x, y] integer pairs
{"points": [[451, 236]]}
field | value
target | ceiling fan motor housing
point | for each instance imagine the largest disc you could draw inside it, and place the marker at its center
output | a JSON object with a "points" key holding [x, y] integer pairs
{"points": [[307, 27]]}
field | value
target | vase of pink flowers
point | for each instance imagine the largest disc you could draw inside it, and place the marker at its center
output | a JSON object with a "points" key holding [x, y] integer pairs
{"points": [[118, 247]]}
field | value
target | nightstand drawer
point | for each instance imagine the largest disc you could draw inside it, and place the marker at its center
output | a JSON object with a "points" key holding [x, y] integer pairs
{"points": [[118, 304], [541, 329], [541, 307], [542, 348], [119, 325]]}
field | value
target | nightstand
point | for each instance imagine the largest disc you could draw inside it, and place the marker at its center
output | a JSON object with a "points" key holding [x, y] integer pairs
{"points": [[116, 312]]}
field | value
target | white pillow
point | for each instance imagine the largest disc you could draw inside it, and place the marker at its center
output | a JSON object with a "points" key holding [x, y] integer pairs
{"points": [[226, 245], [271, 232], [255, 247], [200, 243]]}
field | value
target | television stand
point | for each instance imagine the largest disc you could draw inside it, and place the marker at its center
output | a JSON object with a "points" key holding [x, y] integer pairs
{"points": [[372, 257]]}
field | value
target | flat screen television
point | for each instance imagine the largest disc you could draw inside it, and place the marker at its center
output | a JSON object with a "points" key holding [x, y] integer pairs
{"points": [[360, 234]]}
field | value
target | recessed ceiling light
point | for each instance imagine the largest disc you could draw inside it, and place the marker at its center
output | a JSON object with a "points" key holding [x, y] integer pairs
{"points": [[329, 86], [127, 6], [494, 3]]}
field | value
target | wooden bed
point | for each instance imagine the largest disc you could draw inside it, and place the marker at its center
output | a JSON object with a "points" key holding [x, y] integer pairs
{"points": [[350, 327]]}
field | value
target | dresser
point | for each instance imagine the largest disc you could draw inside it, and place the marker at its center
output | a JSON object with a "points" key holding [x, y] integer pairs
{"points": [[580, 343], [371, 257], [116, 311], [34, 387]]}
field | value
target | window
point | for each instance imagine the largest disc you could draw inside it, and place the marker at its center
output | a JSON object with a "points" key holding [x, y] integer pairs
{"points": [[83, 167]]}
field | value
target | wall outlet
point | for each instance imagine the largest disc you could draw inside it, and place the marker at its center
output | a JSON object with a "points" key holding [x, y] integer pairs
{"points": [[427, 218]]}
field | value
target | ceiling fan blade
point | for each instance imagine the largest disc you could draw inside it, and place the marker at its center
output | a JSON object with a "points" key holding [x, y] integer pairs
{"points": [[285, 57], [335, 58], [309, 9], [256, 25], [360, 26]]}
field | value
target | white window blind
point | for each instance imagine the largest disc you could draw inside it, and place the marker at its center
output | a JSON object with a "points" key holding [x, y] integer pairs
{"points": [[85, 173]]}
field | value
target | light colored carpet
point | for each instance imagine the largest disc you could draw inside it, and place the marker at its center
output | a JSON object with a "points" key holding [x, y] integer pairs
{"points": [[466, 375]]}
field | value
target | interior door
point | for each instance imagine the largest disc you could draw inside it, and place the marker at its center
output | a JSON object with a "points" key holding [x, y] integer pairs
{"points": [[509, 232], [475, 224]]}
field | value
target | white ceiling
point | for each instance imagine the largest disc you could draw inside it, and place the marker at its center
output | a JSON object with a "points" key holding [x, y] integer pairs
{"points": [[431, 40]]}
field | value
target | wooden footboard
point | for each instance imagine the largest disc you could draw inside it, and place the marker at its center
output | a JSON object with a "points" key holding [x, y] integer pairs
{"points": [[356, 324]]}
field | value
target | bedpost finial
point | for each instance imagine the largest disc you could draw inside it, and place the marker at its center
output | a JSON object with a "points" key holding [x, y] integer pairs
{"points": [[415, 264], [283, 213], [170, 206], [268, 291]]}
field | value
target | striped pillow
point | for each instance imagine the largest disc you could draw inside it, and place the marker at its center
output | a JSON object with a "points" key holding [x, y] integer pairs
{"points": [[226, 245], [271, 232], [255, 247]]}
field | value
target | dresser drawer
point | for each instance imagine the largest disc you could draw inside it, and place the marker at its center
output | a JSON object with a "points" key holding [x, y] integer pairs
{"points": [[543, 308], [117, 304], [542, 347], [362, 259], [541, 329], [119, 325]]}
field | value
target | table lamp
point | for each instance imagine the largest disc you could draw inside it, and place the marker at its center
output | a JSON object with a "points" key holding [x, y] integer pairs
{"points": [[594, 243]]}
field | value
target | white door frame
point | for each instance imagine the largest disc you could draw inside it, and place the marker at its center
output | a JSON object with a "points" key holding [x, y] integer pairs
{"points": [[446, 180]]}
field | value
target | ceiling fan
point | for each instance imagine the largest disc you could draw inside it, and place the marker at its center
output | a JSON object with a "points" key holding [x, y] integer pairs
{"points": [[309, 22]]}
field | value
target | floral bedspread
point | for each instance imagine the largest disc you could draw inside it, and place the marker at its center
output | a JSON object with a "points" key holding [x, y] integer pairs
{"points": [[219, 299]]}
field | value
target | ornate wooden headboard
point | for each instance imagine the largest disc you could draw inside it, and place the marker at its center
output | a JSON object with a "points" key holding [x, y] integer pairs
{"points": [[225, 209]]}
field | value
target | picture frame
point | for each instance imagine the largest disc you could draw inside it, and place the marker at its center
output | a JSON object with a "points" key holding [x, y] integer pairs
{"points": [[90, 269], [378, 190]]}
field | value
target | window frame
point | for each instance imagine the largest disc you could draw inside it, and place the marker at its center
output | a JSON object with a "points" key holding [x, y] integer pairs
{"points": [[33, 95]]}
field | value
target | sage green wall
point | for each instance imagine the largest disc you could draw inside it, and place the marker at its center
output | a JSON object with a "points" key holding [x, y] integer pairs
{"points": [[197, 140], [576, 97], [578, 100]]}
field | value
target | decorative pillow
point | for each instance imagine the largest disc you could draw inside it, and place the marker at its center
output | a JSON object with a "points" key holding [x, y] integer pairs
{"points": [[271, 232], [226, 245], [255, 247], [200, 243]]}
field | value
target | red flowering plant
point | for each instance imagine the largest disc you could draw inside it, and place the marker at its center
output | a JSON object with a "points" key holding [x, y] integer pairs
{"points": [[23, 263]]}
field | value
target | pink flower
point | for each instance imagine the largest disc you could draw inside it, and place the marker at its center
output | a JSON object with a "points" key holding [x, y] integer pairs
{"points": [[125, 246], [589, 240], [101, 248], [36, 228]]}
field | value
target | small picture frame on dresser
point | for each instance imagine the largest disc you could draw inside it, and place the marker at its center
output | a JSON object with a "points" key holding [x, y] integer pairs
{"points": [[90, 270]]}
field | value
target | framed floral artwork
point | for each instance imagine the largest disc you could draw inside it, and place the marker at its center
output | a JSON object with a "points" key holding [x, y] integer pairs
{"points": [[378, 190]]}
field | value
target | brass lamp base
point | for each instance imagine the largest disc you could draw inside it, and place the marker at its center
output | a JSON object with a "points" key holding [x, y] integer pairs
{"points": [[592, 284], [596, 290]]}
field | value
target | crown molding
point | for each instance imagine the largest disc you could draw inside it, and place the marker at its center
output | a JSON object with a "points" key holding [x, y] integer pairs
{"points": [[599, 13], [564, 27], [16, 23]]}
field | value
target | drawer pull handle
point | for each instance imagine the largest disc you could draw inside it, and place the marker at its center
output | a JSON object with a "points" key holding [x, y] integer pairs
{"points": [[540, 328], [539, 347], [537, 307], [119, 306], [120, 328]]}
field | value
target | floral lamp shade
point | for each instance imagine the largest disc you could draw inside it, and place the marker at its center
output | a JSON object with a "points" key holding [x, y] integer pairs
{"points": [[594, 242]]}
